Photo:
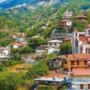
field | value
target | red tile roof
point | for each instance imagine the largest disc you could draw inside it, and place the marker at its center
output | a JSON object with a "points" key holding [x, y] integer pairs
{"points": [[2, 48], [13, 43], [58, 75], [80, 17], [82, 39], [79, 56], [67, 39], [88, 26], [75, 30], [20, 44], [17, 43], [86, 43], [81, 72], [66, 20]]}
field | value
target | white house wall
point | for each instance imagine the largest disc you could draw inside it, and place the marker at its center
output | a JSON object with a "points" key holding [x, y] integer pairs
{"points": [[69, 23], [40, 51], [77, 80]]}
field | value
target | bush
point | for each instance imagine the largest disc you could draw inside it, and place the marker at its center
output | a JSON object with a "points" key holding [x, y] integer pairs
{"points": [[45, 87], [11, 62], [63, 88]]}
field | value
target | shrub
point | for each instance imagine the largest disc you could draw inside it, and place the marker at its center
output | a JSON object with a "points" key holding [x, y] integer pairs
{"points": [[45, 87]]}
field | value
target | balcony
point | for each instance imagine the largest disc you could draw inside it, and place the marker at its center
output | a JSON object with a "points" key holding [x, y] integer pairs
{"points": [[81, 81], [79, 65]]}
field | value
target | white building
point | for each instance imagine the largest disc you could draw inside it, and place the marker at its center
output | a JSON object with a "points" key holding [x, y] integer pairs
{"points": [[81, 41], [15, 45], [4, 51], [81, 79], [66, 23], [54, 46], [54, 43], [13, 36], [22, 40], [51, 47], [41, 49]]}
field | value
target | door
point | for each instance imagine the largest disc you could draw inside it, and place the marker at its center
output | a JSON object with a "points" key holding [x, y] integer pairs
{"points": [[81, 86], [88, 86]]}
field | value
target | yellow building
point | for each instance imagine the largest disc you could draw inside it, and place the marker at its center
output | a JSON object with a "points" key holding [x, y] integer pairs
{"points": [[78, 60]]}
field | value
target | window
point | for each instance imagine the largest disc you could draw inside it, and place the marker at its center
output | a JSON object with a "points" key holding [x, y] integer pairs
{"points": [[88, 51], [89, 32], [72, 62], [56, 64], [77, 62], [50, 44], [85, 62], [50, 63]]}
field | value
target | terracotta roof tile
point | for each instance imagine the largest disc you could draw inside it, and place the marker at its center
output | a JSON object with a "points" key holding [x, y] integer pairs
{"points": [[82, 39], [75, 30], [88, 26], [86, 43], [81, 72], [67, 39], [13, 43], [79, 56], [17, 43], [20, 44], [70, 57], [2, 48], [58, 75], [80, 16]]}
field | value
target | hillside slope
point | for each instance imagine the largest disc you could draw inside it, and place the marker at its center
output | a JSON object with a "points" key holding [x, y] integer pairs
{"points": [[33, 16]]}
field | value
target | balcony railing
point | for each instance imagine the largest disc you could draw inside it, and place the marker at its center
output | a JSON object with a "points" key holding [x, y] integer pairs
{"points": [[81, 81], [78, 65]]}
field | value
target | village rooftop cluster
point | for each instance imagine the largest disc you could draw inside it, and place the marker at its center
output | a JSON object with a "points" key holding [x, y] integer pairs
{"points": [[73, 69]]}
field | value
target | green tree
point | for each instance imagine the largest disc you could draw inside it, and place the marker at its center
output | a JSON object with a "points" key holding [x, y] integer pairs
{"points": [[66, 48], [17, 57]]}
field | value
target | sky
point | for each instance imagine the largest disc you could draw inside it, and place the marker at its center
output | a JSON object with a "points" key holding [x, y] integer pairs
{"points": [[2, 1]]}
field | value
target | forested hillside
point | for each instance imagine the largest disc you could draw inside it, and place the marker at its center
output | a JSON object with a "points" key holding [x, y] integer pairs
{"points": [[31, 17]]}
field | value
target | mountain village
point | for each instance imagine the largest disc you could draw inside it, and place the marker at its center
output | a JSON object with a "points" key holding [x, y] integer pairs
{"points": [[72, 70], [49, 60]]}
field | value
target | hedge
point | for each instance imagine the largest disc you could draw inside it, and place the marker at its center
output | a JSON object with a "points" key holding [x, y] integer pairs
{"points": [[45, 87]]}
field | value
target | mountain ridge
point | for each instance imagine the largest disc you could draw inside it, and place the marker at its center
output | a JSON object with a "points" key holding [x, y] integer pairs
{"points": [[27, 16]]}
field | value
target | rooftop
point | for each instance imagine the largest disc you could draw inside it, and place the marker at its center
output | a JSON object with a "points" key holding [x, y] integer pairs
{"points": [[55, 41], [3, 48], [88, 26], [13, 43], [81, 72], [17, 43], [75, 30], [82, 39], [86, 43], [80, 16], [58, 75], [67, 38], [79, 56], [52, 77], [66, 20]]}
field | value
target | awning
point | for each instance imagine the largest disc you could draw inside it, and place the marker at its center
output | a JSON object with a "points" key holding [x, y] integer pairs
{"points": [[49, 79]]}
